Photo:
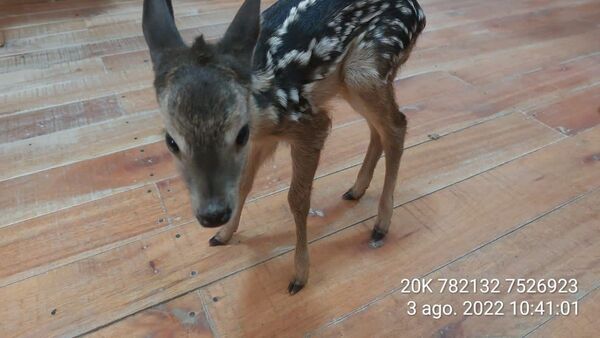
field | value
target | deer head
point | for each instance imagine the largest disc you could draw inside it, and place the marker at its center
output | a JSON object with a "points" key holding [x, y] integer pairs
{"points": [[205, 97]]}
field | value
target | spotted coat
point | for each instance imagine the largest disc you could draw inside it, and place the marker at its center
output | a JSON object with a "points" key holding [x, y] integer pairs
{"points": [[302, 41]]}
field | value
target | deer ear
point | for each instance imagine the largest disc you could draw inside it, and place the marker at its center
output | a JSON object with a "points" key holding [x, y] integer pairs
{"points": [[242, 34], [159, 28]]}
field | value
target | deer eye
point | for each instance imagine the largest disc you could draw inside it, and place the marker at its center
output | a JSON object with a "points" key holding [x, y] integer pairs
{"points": [[243, 136], [171, 144]]}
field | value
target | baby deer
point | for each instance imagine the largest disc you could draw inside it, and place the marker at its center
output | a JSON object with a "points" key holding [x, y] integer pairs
{"points": [[227, 105]]}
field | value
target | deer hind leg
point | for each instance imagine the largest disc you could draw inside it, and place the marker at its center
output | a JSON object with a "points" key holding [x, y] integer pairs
{"points": [[392, 129], [372, 95], [258, 154]]}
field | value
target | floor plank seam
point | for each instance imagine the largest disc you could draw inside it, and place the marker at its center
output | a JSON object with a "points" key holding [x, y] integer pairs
{"points": [[541, 123], [211, 323], [162, 201]]}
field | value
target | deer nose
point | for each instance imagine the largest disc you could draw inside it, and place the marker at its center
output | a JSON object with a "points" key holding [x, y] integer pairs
{"points": [[214, 218]]}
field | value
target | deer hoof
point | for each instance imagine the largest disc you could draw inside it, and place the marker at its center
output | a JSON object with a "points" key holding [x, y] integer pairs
{"points": [[295, 287], [377, 238], [215, 242], [349, 196]]}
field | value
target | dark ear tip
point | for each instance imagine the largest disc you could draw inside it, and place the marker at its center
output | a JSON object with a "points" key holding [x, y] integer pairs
{"points": [[253, 5]]}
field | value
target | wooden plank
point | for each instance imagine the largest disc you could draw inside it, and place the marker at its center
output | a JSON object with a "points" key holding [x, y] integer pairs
{"points": [[25, 8], [563, 243], [486, 68], [583, 325], [60, 73], [96, 85], [475, 34], [539, 87], [74, 145], [26, 19], [574, 114], [44, 29], [33, 195], [183, 317], [44, 243], [108, 286], [51, 120], [463, 13], [436, 229], [439, 50]]}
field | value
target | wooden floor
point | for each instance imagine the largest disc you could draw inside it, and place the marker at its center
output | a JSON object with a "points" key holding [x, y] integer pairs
{"points": [[501, 179]]}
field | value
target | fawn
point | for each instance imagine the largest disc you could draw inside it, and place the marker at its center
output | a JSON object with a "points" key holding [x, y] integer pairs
{"points": [[227, 105]]}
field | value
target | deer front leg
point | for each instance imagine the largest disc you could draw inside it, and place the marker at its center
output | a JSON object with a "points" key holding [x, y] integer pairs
{"points": [[305, 160], [258, 154]]}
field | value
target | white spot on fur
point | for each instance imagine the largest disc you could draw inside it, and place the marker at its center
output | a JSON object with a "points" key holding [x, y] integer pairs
{"points": [[294, 95], [405, 10], [295, 116], [282, 97], [326, 46], [294, 56]]}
